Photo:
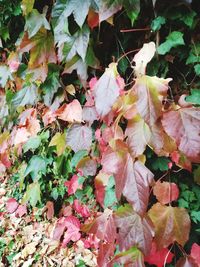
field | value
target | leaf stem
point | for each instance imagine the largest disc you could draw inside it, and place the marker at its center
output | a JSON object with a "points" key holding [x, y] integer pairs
{"points": [[136, 30]]}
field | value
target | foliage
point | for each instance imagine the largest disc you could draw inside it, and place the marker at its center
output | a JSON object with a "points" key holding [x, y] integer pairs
{"points": [[97, 145]]}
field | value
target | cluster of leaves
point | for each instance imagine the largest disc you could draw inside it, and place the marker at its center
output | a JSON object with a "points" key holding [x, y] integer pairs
{"points": [[108, 151]]}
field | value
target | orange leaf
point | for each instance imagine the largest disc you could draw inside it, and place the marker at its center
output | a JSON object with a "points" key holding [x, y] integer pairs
{"points": [[166, 192]]}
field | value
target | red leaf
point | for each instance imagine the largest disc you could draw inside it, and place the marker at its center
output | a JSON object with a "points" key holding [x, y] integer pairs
{"points": [[183, 125], [72, 233], [101, 181], [186, 262], [50, 210], [103, 227], [159, 257], [11, 205], [81, 209], [166, 192], [195, 253], [105, 252], [73, 185], [92, 19], [133, 230]]}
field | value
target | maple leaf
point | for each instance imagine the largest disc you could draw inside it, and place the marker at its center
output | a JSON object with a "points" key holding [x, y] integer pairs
{"points": [[133, 229], [143, 57], [73, 185], [150, 92], [106, 90], [159, 257], [103, 227], [166, 192], [183, 125], [71, 112], [139, 135], [171, 224], [11, 205], [79, 137]]}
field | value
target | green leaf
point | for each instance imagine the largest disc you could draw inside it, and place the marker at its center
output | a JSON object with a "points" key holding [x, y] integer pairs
{"points": [[194, 98], [36, 166], [197, 173], [157, 23], [161, 164], [51, 84], [33, 194], [197, 69], [77, 157], [27, 6], [174, 39], [34, 22], [195, 215], [32, 144], [5, 75], [59, 142], [188, 18], [132, 8], [28, 95]]}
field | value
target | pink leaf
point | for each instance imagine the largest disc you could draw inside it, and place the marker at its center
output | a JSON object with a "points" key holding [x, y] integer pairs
{"points": [[81, 209], [21, 211], [166, 192], [71, 112], [73, 185], [73, 228], [195, 253], [11, 205]]}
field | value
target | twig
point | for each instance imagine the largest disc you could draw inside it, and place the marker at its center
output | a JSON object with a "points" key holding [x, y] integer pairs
{"points": [[136, 30], [127, 53]]}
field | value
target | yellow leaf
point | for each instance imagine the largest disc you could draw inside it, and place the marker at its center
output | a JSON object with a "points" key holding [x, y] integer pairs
{"points": [[70, 89], [59, 142]]}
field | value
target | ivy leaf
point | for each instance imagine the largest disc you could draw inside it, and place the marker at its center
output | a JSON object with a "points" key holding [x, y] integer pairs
{"points": [[195, 253], [79, 137], [33, 194], [138, 231], [197, 69], [166, 192], [58, 141], [64, 8], [171, 224], [28, 95], [35, 21], [77, 157], [11, 205], [194, 98], [106, 250], [106, 11], [106, 90], [51, 84], [132, 9], [27, 6], [31, 169], [32, 143], [160, 163], [157, 23], [71, 112], [183, 125], [174, 39]]}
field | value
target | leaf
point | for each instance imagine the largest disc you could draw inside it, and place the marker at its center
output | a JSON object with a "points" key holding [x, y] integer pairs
{"points": [[183, 125], [186, 262], [160, 163], [133, 230], [150, 92], [106, 11], [143, 57], [27, 6], [195, 253], [35, 21], [174, 39], [72, 233], [73, 185], [31, 169], [159, 257], [138, 134], [197, 69], [171, 224], [11, 205], [28, 95], [64, 8], [51, 84], [106, 90], [5, 75], [21, 211], [87, 166], [103, 227], [194, 98], [77, 157], [50, 210], [166, 192], [132, 257], [58, 141], [71, 112], [32, 144], [106, 250], [92, 19], [33, 194], [41, 48], [157, 23], [83, 210], [132, 9], [79, 137], [69, 46]]}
